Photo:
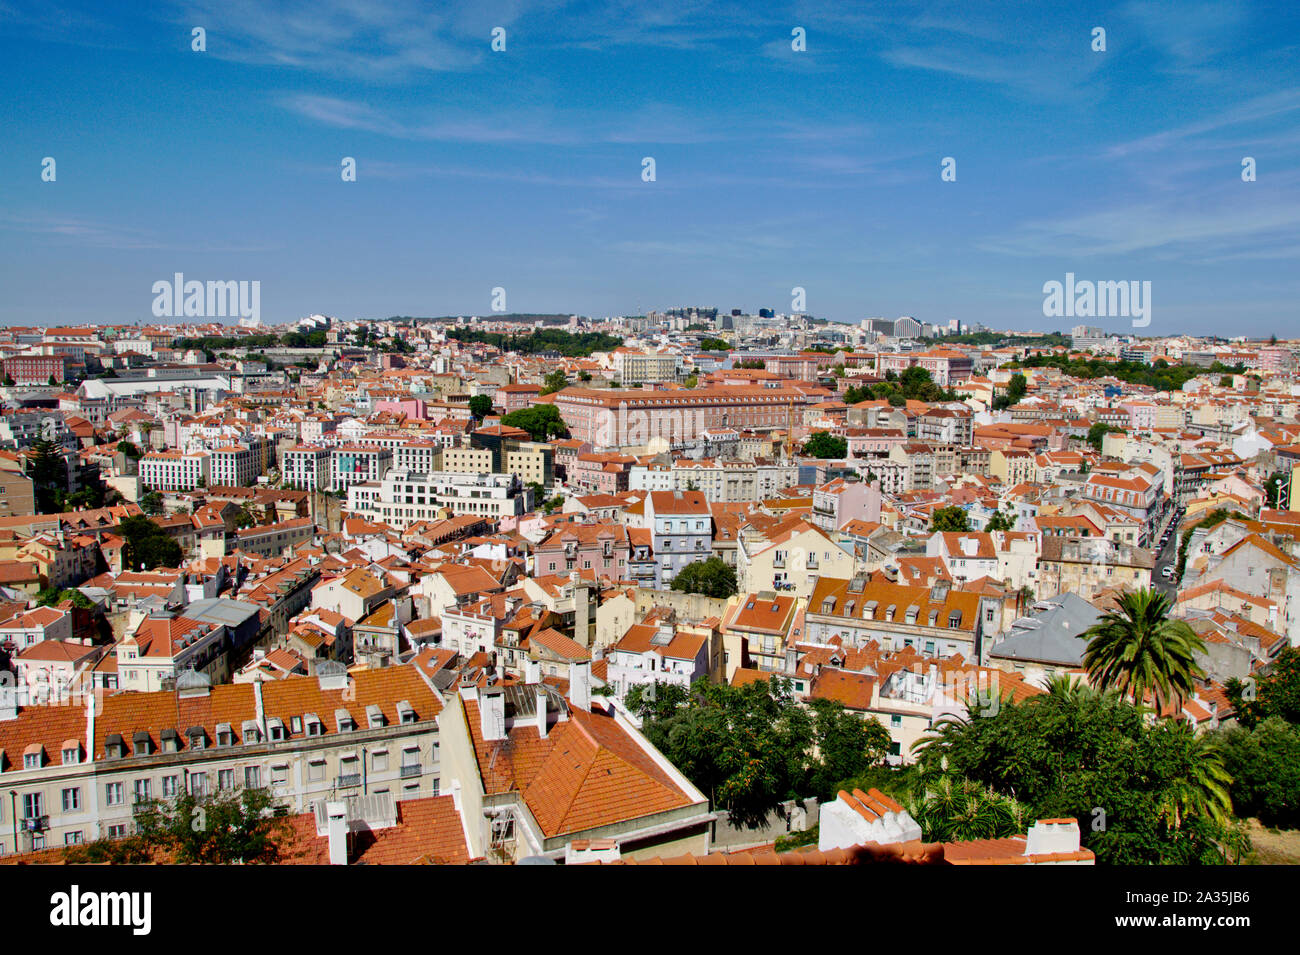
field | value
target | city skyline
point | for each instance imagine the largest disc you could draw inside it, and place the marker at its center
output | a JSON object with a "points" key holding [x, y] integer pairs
{"points": [[522, 168]]}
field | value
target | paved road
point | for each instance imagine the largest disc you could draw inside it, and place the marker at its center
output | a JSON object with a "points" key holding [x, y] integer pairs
{"points": [[1168, 556]]}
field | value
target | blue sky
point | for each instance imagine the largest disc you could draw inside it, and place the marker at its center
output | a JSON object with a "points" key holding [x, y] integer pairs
{"points": [[522, 169]]}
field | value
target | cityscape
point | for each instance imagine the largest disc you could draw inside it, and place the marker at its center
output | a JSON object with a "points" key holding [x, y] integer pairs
{"points": [[537, 436]]}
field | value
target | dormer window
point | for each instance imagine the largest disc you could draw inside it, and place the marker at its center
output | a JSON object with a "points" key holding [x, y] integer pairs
{"points": [[275, 730], [114, 746], [170, 741], [34, 756], [344, 720], [374, 716], [251, 732], [312, 725], [141, 744], [71, 753], [225, 735], [195, 738], [405, 714], [295, 724]]}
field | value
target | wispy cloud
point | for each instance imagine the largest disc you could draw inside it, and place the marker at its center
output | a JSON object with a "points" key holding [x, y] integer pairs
{"points": [[89, 232]]}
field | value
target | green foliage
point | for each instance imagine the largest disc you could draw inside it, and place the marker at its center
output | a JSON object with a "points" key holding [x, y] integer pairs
{"points": [[796, 840], [657, 700], [1273, 488], [1098, 432], [959, 810], [49, 473], [580, 345], [151, 502], [714, 344], [751, 747], [823, 444], [949, 520], [147, 545], [542, 421], [712, 578], [219, 829], [1213, 519], [553, 382], [1171, 378], [128, 448], [51, 596], [1001, 521], [847, 746], [1074, 750], [1276, 694], [753, 363], [1264, 763], [1137, 648], [480, 406]]}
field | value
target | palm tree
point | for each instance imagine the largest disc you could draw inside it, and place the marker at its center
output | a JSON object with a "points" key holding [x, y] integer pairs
{"points": [[1137, 649], [1202, 790], [958, 810]]}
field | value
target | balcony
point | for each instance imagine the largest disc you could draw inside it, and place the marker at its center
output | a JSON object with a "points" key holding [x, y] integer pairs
{"points": [[348, 781], [412, 770], [36, 823]]}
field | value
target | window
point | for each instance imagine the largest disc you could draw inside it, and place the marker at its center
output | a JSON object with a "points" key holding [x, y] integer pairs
{"points": [[33, 805], [113, 794], [252, 776], [72, 838], [117, 831], [280, 774], [31, 761], [316, 770], [71, 799], [72, 755], [171, 785], [895, 721], [225, 779], [198, 784], [143, 790], [379, 761]]}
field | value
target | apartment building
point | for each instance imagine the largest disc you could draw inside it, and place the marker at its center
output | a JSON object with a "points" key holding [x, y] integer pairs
{"points": [[404, 497], [589, 549], [175, 470], [353, 464], [636, 418], [681, 528], [235, 465], [84, 767], [306, 467]]}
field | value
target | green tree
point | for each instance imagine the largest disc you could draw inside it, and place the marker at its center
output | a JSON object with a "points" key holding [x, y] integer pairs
{"points": [[554, 381], [712, 578], [128, 448], [1075, 750], [480, 406], [746, 747], [52, 596], [713, 344], [147, 545], [225, 827], [542, 421], [847, 746], [1264, 764], [823, 444], [49, 472], [1097, 432], [151, 502], [1275, 695], [1001, 521], [949, 520], [657, 700], [959, 810], [1137, 648]]}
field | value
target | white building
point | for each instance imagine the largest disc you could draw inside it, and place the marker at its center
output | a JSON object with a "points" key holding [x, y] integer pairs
{"points": [[404, 497], [175, 470]]}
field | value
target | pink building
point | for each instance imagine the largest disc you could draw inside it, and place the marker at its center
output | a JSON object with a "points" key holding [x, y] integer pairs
{"points": [[413, 408]]}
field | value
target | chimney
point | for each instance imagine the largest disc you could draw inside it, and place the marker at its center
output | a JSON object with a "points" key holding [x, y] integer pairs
{"points": [[541, 712], [492, 714], [337, 816], [532, 671], [580, 685]]}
